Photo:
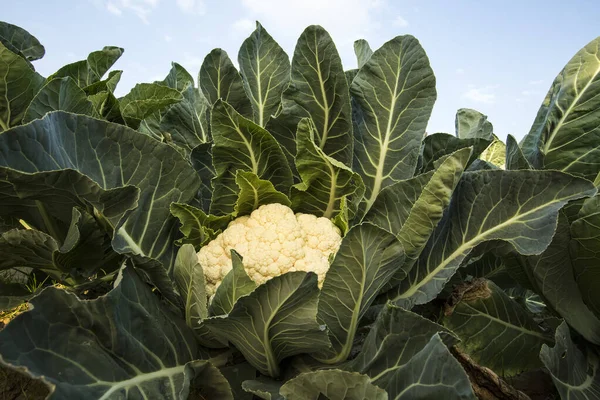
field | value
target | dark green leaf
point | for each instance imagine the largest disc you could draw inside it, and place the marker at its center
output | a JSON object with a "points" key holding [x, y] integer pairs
{"points": [[240, 144], [91, 70], [363, 52], [145, 99], [219, 79], [266, 71], [395, 92], [234, 285], [472, 124], [255, 192], [438, 145], [514, 156], [189, 278], [202, 161], [518, 207], [332, 384], [19, 84], [276, 321], [368, 257], [21, 41], [197, 227], [58, 94]]}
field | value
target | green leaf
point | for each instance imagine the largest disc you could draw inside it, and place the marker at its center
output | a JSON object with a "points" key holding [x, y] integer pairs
{"points": [[255, 192], [318, 89], [12, 295], [202, 161], [268, 390], [514, 156], [189, 278], [113, 156], [368, 257], [234, 285], [91, 70], [412, 209], [276, 321], [439, 145], [186, 122], [585, 252], [266, 71], [178, 78], [145, 99], [472, 124], [433, 374], [101, 354], [363, 52], [566, 131], [395, 92], [27, 248], [553, 276], [495, 153], [333, 384], [519, 208], [18, 40], [488, 266], [575, 371], [197, 227], [109, 84], [236, 375], [325, 181], [240, 144], [19, 84], [58, 94], [396, 337], [106, 106], [219, 79], [495, 330]]}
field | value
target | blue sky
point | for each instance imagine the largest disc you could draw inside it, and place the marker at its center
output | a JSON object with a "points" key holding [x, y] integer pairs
{"points": [[497, 57]]}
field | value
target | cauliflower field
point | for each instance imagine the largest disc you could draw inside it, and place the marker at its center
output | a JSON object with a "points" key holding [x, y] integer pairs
{"points": [[288, 230]]}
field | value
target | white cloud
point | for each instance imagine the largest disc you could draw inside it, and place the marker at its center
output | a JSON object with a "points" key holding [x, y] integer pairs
{"points": [[192, 6], [460, 71], [113, 9], [536, 82], [400, 22], [168, 38], [483, 95]]}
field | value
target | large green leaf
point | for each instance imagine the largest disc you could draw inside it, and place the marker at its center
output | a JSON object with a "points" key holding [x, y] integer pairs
{"points": [[431, 374], [178, 78], [363, 52], [439, 145], [332, 384], [585, 252], [575, 371], [275, 321], [517, 207], [144, 100], [515, 159], [113, 156], [219, 79], [566, 131], [106, 106], [368, 257], [240, 144], [395, 92], [552, 275], [124, 344], [58, 94], [266, 71], [91, 70], [18, 40], [325, 181], [494, 329], [186, 122], [255, 192], [472, 124], [396, 337], [411, 209], [19, 83], [189, 278], [109, 84], [234, 285], [197, 227], [12, 294], [495, 153], [318, 89], [202, 161]]}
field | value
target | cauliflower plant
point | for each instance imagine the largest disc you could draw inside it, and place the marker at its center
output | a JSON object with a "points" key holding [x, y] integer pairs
{"points": [[272, 241]]}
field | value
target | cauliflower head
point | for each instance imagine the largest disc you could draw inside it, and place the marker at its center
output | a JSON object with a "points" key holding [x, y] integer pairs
{"points": [[272, 241]]}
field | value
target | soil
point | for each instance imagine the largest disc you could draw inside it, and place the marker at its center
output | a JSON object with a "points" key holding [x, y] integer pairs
{"points": [[15, 385]]}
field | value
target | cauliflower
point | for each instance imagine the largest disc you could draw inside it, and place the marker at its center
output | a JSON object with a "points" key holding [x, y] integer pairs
{"points": [[272, 241]]}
